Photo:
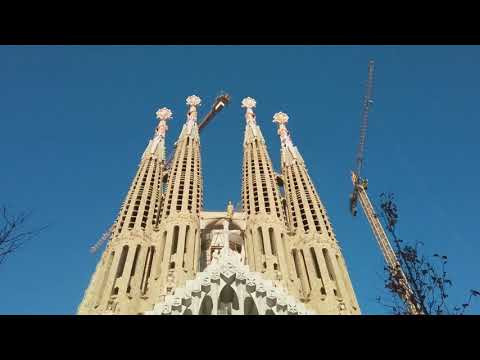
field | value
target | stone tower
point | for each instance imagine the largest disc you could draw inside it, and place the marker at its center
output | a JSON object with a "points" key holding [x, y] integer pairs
{"points": [[167, 255], [179, 230], [265, 242], [320, 270], [121, 280]]}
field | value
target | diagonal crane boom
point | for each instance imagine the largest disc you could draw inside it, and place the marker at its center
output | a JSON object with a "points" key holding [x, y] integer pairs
{"points": [[220, 102], [360, 194]]}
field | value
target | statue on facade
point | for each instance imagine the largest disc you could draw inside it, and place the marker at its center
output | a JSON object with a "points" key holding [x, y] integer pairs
{"points": [[229, 210]]}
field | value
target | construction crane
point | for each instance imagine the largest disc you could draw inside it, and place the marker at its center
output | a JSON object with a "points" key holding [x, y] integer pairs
{"points": [[220, 102], [360, 194]]}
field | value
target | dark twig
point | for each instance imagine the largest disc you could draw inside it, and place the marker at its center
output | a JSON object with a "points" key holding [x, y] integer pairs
{"points": [[13, 232], [428, 281]]}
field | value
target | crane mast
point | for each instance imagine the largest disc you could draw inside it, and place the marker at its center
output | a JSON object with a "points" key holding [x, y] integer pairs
{"points": [[368, 101], [360, 194]]}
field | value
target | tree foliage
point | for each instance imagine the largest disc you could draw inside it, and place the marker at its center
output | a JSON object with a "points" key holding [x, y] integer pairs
{"points": [[427, 277]]}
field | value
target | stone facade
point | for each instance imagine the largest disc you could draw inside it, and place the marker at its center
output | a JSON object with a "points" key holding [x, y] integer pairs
{"points": [[277, 256], [228, 287]]}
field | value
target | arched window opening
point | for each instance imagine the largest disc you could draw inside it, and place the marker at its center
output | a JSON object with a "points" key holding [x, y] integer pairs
{"points": [[249, 307], [105, 278], [260, 240], [295, 261], [152, 253], [273, 241], [187, 233], [206, 307], [195, 259], [329, 264], [134, 265], [317, 270], [135, 258], [306, 270], [175, 240], [331, 272], [162, 246], [121, 263], [147, 268], [315, 262], [227, 301]]}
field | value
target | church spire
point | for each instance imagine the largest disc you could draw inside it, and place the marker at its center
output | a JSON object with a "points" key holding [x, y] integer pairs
{"points": [[122, 271], [306, 210], [318, 260], [178, 238], [185, 191], [265, 233], [252, 130], [190, 128], [142, 204], [287, 145], [156, 146]]}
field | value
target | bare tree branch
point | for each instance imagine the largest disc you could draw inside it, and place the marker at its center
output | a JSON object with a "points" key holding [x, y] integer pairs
{"points": [[14, 232], [428, 280]]}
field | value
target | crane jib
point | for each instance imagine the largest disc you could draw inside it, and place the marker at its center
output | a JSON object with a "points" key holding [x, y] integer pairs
{"points": [[220, 102], [360, 194]]}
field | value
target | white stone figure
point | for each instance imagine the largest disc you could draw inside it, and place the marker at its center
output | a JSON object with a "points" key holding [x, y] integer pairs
{"points": [[215, 256], [225, 234]]}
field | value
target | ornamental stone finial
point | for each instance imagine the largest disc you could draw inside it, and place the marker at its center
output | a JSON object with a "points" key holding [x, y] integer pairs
{"points": [[194, 100], [280, 118], [164, 114], [249, 103]]}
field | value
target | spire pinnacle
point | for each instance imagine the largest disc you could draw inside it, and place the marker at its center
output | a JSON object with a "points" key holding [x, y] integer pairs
{"points": [[163, 115], [249, 103], [192, 101], [281, 119], [156, 146]]}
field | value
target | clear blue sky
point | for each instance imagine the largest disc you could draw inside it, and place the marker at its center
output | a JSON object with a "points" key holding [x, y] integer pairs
{"points": [[76, 119]]}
